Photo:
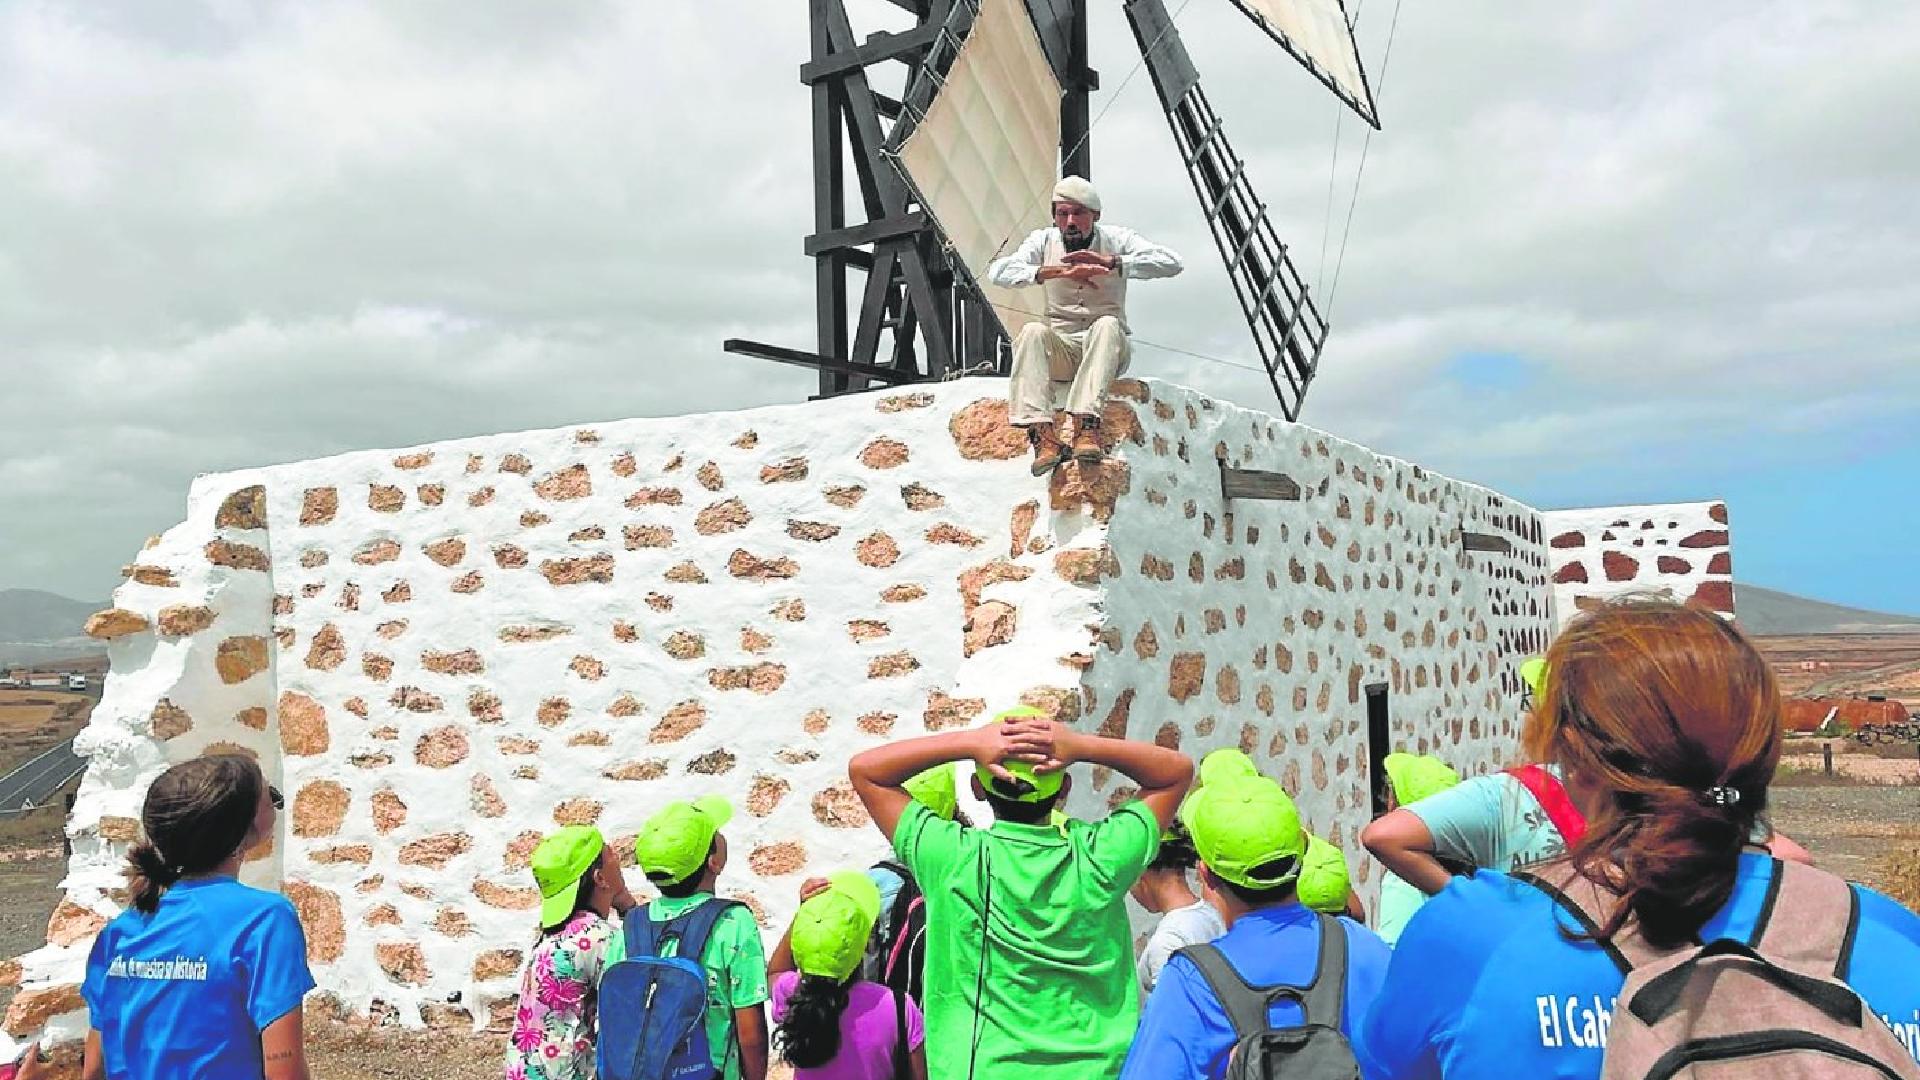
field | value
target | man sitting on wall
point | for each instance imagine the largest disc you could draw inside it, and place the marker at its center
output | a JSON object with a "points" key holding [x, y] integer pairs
{"points": [[1083, 266]]}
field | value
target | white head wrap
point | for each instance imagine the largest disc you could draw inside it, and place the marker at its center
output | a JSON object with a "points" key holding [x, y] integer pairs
{"points": [[1074, 189]]}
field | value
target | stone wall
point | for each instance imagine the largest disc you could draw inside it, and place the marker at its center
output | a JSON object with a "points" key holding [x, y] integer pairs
{"points": [[1680, 550], [441, 653]]}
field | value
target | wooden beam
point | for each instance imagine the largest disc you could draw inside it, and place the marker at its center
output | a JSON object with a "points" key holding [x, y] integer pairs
{"points": [[778, 354], [878, 48], [1254, 484], [860, 235], [1477, 541]]}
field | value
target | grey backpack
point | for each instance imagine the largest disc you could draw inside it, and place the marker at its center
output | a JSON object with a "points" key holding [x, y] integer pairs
{"points": [[1775, 1007], [1313, 1050]]}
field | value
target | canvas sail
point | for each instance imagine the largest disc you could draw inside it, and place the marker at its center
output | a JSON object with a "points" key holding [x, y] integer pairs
{"points": [[984, 155], [1316, 32]]}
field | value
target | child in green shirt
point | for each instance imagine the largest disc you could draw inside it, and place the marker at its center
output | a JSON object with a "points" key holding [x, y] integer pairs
{"points": [[1029, 954]]}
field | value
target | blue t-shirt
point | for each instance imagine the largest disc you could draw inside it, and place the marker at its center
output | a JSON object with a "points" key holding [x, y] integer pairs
{"points": [[1184, 1031], [186, 991], [1484, 984]]}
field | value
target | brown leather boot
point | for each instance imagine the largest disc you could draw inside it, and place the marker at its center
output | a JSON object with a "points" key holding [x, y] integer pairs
{"points": [[1086, 440], [1048, 450]]}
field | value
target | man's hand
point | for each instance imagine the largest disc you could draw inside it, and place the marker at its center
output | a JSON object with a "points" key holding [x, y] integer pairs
{"points": [[1092, 258], [813, 887], [1082, 272]]}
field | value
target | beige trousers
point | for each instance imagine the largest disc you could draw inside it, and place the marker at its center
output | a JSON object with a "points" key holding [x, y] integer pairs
{"points": [[1088, 361]]}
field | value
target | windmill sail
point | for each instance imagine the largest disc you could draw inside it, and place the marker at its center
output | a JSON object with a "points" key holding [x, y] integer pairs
{"points": [[1318, 35], [1287, 328], [982, 154]]}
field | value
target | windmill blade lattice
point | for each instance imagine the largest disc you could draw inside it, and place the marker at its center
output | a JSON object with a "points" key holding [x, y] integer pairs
{"points": [[1287, 327]]}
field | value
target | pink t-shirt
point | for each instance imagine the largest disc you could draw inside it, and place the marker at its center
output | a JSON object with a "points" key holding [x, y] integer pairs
{"points": [[867, 1031]]}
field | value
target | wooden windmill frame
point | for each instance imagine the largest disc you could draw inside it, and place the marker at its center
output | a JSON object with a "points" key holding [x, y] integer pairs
{"points": [[924, 299]]}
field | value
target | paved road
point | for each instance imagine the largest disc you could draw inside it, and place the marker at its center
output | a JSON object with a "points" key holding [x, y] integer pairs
{"points": [[36, 781]]}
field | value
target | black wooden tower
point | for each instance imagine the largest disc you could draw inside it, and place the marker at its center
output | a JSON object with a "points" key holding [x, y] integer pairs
{"points": [[911, 291]]}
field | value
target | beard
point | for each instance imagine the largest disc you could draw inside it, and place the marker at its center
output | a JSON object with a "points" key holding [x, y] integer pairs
{"points": [[1076, 241]]}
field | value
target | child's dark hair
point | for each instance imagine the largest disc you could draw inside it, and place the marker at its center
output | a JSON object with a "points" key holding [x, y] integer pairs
{"points": [[582, 901], [196, 815], [1257, 898], [1013, 809], [682, 889], [809, 1035], [1176, 850]]}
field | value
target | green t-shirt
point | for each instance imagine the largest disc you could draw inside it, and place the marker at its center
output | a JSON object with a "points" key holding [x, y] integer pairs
{"points": [[736, 969], [1053, 971]]}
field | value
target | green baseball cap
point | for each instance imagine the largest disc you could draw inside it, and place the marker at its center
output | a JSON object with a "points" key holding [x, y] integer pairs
{"points": [[1042, 786], [558, 862], [1323, 877], [1240, 823], [673, 844], [1533, 672], [935, 790], [830, 929], [1416, 776], [1227, 763]]}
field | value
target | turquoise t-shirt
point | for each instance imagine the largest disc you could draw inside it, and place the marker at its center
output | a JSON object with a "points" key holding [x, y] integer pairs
{"points": [[1490, 821], [1398, 902]]}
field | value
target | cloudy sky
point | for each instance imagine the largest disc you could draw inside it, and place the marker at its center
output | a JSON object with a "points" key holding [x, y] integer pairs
{"points": [[1623, 252]]}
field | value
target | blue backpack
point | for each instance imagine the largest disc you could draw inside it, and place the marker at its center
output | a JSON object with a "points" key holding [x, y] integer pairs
{"points": [[653, 1009]]}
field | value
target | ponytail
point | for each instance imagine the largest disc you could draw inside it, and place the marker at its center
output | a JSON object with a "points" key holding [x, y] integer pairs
{"points": [[1673, 719], [197, 815], [809, 1036], [148, 875]]}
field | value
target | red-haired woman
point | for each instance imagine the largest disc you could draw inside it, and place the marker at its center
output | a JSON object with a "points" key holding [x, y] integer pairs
{"points": [[1666, 723]]}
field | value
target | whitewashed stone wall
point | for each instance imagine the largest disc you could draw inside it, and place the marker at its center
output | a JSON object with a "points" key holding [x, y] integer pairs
{"points": [[441, 653], [1680, 550]]}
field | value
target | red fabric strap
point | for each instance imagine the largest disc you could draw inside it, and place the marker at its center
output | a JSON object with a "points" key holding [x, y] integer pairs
{"points": [[1551, 794]]}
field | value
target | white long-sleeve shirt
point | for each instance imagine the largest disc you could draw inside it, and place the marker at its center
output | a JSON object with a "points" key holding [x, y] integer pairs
{"points": [[1139, 256], [1073, 306]]}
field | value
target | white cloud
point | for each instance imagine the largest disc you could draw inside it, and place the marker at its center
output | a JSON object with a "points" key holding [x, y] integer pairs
{"points": [[245, 232]]}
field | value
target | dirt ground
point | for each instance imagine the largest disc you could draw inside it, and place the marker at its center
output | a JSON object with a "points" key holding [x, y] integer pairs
{"points": [[1856, 829]]}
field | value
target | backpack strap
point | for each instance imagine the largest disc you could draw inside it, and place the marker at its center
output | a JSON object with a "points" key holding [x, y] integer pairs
{"points": [[1246, 1005], [1324, 999], [1551, 794], [637, 930], [902, 1066], [693, 928], [1813, 920], [1581, 898]]}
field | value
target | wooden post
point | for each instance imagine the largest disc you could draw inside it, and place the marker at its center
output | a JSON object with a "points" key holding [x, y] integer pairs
{"points": [[1827, 752]]}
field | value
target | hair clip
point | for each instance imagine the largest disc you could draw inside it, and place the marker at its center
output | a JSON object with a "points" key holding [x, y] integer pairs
{"points": [[1723, 796]]}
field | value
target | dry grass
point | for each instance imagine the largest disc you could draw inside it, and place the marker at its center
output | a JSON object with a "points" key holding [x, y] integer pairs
{"points": [[1899, 875]]}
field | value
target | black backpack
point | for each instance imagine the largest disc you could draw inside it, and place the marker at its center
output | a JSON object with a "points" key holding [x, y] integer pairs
{"points": [[897, 956], [897, 951], [1315, 1049]]}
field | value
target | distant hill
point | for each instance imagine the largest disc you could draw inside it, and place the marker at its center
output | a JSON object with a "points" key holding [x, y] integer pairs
{"points": [[36, 626], [1767, 613]]}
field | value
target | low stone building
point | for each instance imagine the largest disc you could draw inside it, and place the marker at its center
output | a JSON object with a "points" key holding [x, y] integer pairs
{"points": [[443, 652]]}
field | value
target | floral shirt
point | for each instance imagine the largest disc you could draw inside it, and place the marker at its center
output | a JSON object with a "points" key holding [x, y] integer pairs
{"points": [[553, 1031]]}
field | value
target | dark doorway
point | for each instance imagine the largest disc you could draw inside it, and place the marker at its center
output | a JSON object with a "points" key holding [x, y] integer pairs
{"points": [[1379, 744]]}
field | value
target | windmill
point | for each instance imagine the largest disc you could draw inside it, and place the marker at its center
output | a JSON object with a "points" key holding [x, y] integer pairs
{"points": [[958, 168]]}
